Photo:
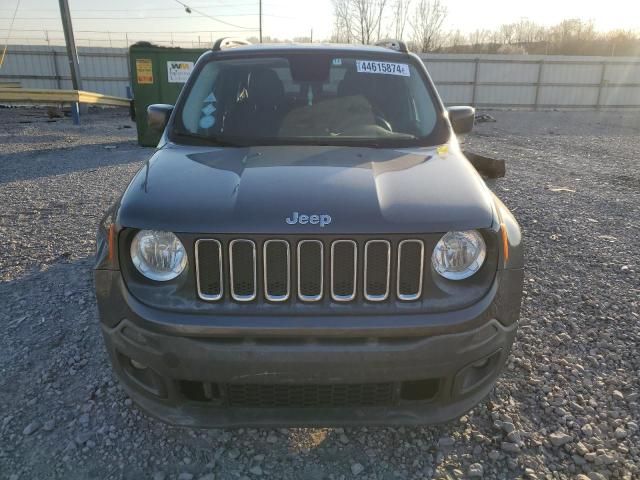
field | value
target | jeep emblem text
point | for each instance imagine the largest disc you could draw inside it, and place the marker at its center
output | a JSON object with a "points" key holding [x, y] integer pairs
{"points": [[303, 219]]}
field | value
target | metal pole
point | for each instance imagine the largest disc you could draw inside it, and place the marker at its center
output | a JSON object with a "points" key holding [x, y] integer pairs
{"points": [[72, 53], [260, 15], [54, 56], [603, 74], [128, 58], [475, 82], [538, 81]]}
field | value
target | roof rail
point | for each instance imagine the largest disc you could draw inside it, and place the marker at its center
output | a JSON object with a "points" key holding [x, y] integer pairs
{"points": [[229, 42], [393, 44]]}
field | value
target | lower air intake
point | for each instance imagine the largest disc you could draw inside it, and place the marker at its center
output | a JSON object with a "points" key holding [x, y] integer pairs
{"points": [[301, 396]]}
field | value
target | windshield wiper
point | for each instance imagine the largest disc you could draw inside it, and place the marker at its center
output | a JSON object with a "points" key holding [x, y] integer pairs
{"points": [[395, 141]]}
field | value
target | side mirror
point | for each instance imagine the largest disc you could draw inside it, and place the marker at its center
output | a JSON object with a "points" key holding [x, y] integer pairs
{"points": [[461, 118], [158, 115]]}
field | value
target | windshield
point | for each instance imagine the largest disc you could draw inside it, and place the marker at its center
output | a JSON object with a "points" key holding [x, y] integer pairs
{"points": [[308, 99]]}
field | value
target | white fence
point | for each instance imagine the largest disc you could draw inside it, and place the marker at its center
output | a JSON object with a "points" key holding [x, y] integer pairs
{"points": [[103, 70], [536, 81], [486, 81]]}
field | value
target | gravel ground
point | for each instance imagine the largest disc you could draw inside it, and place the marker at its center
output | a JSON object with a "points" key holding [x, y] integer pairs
{"points": [[566, 407]]}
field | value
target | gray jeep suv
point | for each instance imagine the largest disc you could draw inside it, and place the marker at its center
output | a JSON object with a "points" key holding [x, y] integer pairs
{"points": [[308, 246]]}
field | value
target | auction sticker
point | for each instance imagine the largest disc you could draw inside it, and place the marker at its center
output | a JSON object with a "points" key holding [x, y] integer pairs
{"points": [[385, 68], [178, 72], [144, 71]]}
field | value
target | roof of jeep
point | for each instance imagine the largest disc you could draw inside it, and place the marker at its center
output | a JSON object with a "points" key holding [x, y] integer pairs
{"points": [[314, 47]]}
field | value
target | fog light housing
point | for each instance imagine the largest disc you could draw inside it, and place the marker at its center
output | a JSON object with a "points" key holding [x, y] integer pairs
{"points": [[476, 374], [144, 378]]}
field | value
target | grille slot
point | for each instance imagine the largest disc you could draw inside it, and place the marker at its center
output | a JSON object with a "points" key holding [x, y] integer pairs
{"points": [[310, 270], [377, 269], [344, 270], [410, 269], [277, 270], [242, 263], [353, 270], [301, 396], [209, 269]]}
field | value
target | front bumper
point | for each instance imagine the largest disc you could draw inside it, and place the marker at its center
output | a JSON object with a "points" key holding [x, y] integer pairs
{"points": [[431, 368]]}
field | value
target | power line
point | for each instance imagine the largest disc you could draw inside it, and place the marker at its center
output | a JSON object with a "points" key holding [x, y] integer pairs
{"points": [[115, 10], [155, 32], [98, 36], [156, 18], [189, 10], [4, 52], [153, 9]]}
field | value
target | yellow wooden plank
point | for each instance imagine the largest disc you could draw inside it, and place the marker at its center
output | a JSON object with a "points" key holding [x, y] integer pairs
{"points": [[34, 95], [45, 96], [99, 99]]}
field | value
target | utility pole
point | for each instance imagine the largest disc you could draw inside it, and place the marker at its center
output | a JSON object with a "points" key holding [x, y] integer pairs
{"points": [[72, 52], [260, 18]]}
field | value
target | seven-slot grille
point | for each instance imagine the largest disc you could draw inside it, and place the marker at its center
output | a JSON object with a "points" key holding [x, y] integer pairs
{"points": [[281, 269]]}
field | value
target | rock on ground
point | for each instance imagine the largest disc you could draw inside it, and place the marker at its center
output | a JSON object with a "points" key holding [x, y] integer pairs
{"points": [[572, 182]]}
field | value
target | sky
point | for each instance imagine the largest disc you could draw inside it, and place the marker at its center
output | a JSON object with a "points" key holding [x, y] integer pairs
{"points": [[104, 23]]}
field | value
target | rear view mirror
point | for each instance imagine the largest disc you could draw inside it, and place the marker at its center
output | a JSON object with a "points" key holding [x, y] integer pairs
{"points": [[461, 118], [158, 115]]}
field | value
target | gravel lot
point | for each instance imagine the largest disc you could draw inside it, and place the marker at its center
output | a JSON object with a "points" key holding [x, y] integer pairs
{"points": [[567, 406]]}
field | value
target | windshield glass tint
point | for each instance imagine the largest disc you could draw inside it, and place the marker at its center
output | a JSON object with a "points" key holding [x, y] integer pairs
{"points": [[307, 98]]}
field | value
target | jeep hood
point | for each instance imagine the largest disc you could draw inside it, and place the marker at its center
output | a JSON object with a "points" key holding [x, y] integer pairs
{"points": [[254, 189]]}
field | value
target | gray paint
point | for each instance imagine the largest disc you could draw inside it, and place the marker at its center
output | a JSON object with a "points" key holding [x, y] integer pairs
{"points": [[253, 190], [205, 192]]}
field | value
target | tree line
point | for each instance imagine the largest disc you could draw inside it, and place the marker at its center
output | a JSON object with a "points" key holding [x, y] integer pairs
{"points": [[421, 24]]}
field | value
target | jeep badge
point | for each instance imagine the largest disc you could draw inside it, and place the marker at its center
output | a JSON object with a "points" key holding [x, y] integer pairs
{"points": [[303, 219]]}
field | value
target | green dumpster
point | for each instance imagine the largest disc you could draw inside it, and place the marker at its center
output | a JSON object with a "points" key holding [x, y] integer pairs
{"points": [[157, 76]]}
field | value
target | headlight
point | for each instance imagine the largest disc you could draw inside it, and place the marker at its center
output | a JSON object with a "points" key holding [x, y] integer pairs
{"points": [[458, 255], [158, 255]]}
